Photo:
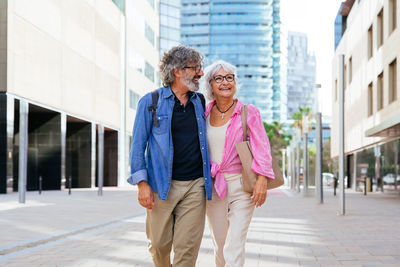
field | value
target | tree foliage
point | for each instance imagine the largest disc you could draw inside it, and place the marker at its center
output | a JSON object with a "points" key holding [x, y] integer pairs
{"points": [[278, 138], [298, 117]]}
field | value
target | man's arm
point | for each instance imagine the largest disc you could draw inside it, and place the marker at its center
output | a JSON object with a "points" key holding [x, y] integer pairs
{"points": [[140, 136]]}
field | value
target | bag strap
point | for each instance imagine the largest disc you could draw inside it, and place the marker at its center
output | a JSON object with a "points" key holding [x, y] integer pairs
{"points": [[153, 107], [244, 121], [154, 100]]}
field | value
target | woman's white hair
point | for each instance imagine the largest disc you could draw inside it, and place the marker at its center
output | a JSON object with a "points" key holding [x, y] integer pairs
{"points": [[209, 73]]}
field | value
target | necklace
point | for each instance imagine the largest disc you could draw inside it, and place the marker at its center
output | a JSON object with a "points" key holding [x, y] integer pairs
{"points": [[223, 112]]}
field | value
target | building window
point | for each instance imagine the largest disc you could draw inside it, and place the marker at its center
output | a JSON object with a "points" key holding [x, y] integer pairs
{"points": [[133, 99], [370, 42], [350, 69], [393, 81], [149, 72], [135, 60], [392, 15], [120, 4], [380, 92], [151, 2], [380, 29], [370, 99], [149, 33]]}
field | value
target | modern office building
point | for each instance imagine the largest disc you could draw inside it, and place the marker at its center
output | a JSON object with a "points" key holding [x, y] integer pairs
{"points": [[340, 26], [246, 34], [170, 24], [71, 73], [301, 73], [370, 45], [279, 94]]}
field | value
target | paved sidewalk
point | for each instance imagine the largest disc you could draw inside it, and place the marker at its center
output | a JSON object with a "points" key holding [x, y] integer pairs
{"points": [[83, 229]]}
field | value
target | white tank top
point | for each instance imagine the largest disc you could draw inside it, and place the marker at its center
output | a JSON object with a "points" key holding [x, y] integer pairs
{"points": [[216, 142]]}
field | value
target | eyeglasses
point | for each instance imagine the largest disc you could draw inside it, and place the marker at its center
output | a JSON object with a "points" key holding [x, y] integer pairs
{"points": [[196, 68], [228, 78]]}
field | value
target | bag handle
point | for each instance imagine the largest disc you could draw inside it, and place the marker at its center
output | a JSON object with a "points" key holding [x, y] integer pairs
{"points": [[244, 121]]}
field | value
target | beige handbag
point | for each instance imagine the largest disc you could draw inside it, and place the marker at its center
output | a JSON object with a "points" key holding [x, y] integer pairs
{"points": [[246, 157]]}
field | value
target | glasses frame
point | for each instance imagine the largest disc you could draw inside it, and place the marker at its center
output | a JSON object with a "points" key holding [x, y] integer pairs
{"points": [[196, 68], [223, 78]]}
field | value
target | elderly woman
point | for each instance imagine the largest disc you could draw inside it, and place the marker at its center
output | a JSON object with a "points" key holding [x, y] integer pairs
{"points": [[230, 211]]}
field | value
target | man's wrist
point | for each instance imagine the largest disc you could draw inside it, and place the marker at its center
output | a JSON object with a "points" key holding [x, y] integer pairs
{"points": [[141, 183]]}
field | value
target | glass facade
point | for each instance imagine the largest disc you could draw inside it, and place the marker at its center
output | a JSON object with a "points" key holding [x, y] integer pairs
{"points": [[246, 34], [338, 27], [170, 16], [382, 163], [120, 4], [276, 66], [301, 71]]}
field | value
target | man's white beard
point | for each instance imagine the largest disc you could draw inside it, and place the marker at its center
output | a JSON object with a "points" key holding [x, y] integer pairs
{"points": [[188, 81]]}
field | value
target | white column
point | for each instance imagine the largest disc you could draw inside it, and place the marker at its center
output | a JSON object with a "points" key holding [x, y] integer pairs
{"points": [[23, 149]]}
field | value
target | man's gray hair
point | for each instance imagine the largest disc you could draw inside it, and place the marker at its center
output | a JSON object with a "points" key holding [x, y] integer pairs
{"points": [[209, 73], [177, 57]]}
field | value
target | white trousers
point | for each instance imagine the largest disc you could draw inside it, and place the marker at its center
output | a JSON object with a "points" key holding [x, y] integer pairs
{"points": [[229, 220]]}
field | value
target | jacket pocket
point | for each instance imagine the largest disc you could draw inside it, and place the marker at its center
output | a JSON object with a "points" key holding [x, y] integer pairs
{"points": [[163, 123]]}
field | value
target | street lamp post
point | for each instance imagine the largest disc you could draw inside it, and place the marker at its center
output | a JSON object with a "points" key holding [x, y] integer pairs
{"points": [[298, 164], [283, 150], [318, 158], [341, 134], [305, 131]]}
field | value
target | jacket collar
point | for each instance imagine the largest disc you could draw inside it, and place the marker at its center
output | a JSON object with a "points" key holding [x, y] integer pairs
{"points": [[167, 92]]}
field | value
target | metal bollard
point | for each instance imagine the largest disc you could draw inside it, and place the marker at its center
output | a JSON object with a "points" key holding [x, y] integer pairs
{"points": [[69, 185], [40, 184], [335, 184], [365, 186]]}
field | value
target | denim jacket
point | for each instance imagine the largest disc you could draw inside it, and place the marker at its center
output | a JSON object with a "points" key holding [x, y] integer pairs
{"points": [[152, 150]]}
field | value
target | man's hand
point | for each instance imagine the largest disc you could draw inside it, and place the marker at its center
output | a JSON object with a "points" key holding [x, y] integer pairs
{"points": [[145, 195], [260, 190]]}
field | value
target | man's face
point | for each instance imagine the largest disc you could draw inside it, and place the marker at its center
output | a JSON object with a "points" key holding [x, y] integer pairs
{"points": [[191, 76]]}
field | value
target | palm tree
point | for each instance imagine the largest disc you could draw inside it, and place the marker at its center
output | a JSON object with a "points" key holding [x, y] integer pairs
{"points": [[298, 117]]}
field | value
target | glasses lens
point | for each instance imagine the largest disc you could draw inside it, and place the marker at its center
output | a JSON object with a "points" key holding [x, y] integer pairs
{"points": [[229, 77], [218, 79]]}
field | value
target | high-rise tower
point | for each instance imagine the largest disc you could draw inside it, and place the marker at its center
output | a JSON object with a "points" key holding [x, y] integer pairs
{"points": [[245, 34], [301, 71]]}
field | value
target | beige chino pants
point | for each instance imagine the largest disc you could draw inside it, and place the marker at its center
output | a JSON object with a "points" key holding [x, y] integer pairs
{"points": [[178, 222], [229, 221]]}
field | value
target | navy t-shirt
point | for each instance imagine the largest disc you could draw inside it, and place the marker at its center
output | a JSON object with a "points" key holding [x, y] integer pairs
{"points": [[187, 164]]}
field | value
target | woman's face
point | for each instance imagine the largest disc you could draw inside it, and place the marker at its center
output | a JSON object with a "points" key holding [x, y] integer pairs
{"points": [[223, 84]]}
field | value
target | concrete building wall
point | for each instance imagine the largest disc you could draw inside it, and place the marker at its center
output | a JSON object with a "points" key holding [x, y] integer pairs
{"points": [[363, 71], [66, 54], [142, 55]]}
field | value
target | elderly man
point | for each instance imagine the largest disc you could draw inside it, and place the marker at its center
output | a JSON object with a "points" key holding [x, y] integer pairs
{"points": [[170, 162]]}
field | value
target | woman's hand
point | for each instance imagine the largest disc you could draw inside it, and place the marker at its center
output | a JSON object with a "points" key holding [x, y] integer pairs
{"points": [[260, 190]]}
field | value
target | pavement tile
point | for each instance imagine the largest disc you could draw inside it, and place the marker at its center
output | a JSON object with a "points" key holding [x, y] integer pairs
{"points": [[290, 230]]}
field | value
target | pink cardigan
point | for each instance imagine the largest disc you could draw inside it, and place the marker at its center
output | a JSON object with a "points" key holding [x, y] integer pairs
{"points": [[262, 163]]}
